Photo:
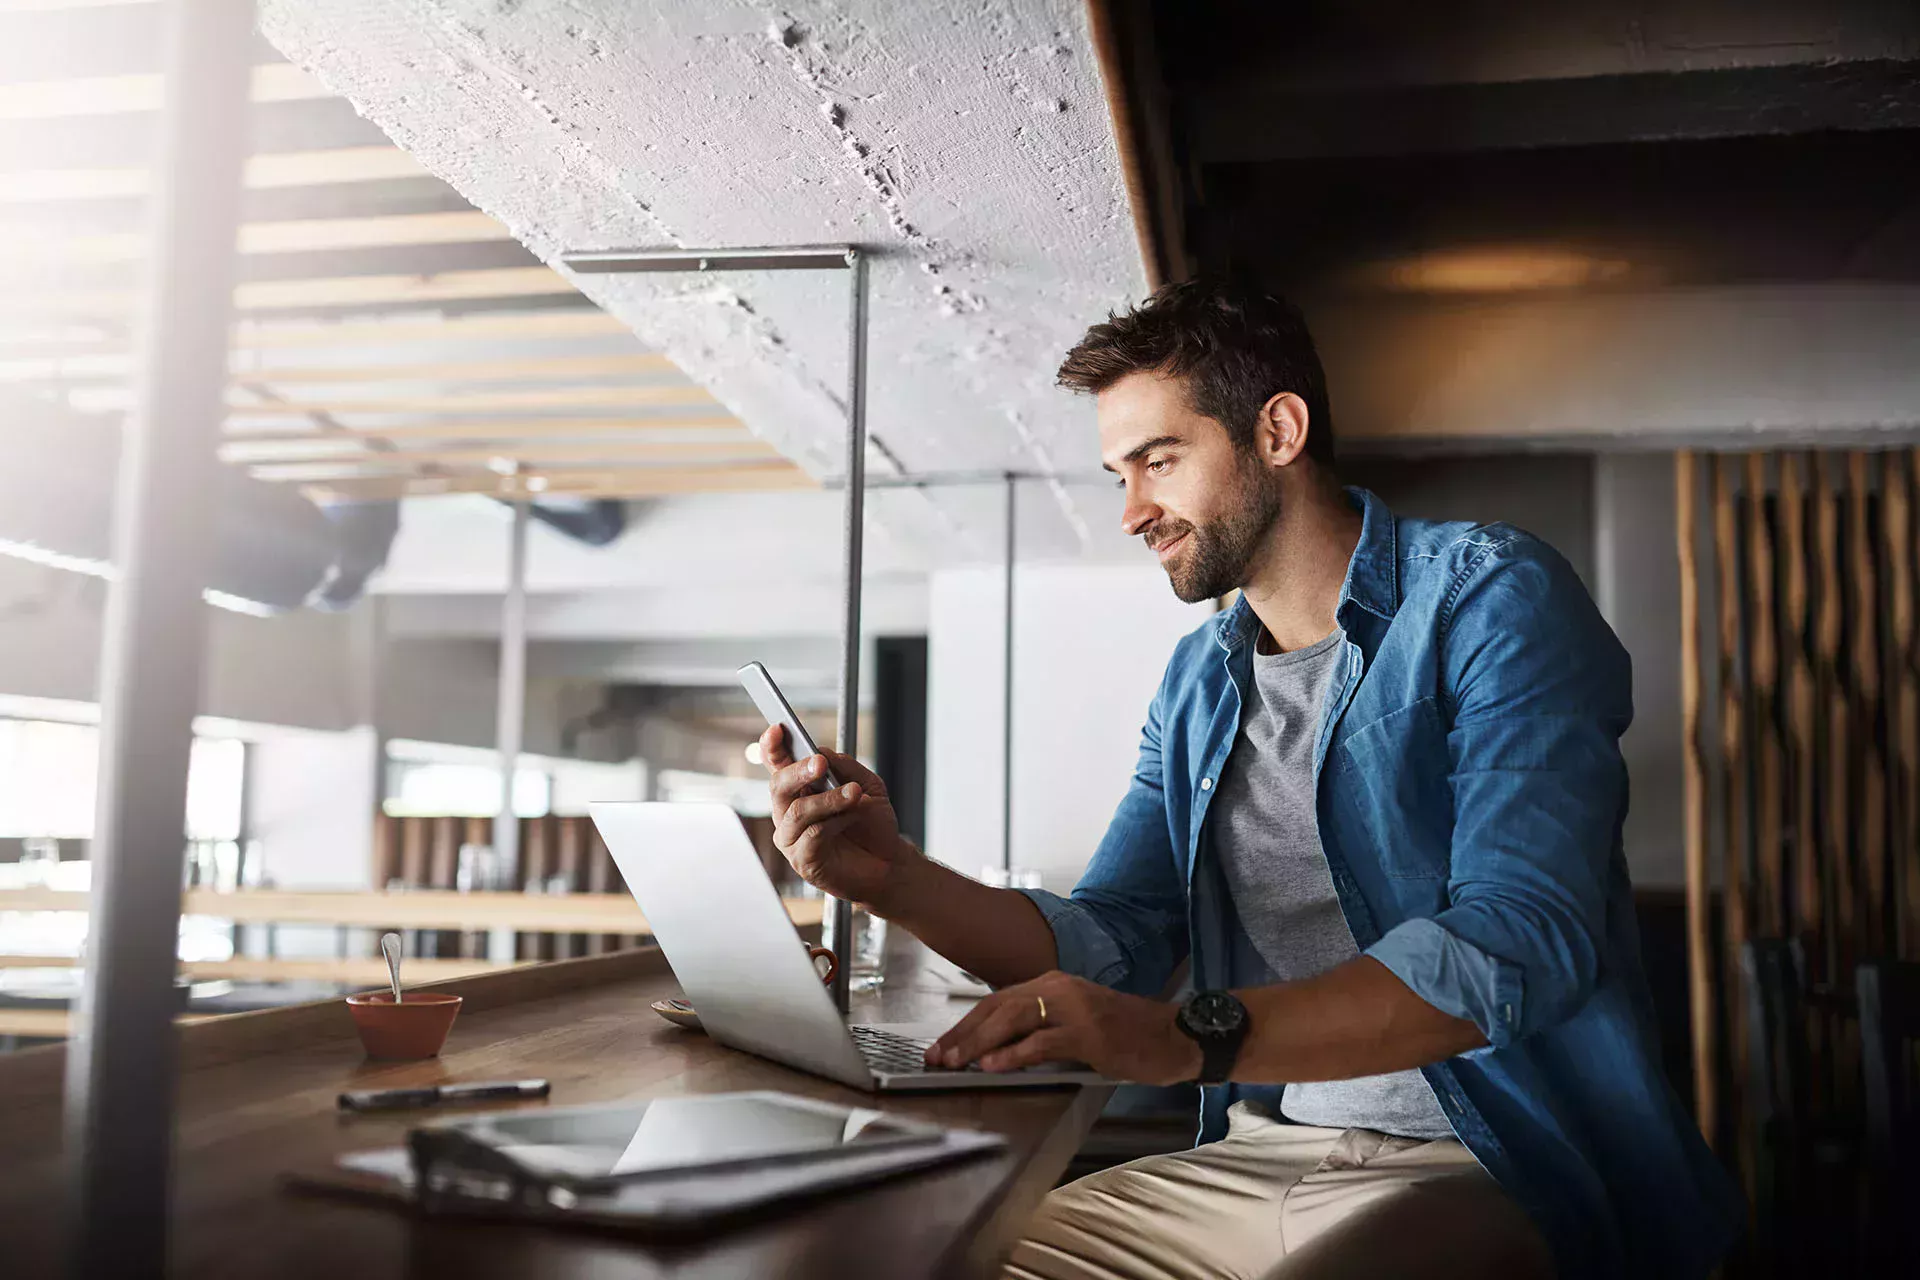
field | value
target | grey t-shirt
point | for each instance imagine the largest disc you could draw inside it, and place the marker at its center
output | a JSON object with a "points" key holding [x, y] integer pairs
{"points": [[1267, 835]]}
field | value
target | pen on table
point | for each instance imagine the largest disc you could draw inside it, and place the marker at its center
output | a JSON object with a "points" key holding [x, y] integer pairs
{"points": [[432, 1095]]}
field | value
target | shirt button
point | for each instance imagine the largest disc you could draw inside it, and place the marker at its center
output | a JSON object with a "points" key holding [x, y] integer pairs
{"points": [[1206, 784]]}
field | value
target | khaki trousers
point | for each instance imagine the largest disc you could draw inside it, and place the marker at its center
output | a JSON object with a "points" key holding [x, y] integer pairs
{"points": [[1273, 1200]]}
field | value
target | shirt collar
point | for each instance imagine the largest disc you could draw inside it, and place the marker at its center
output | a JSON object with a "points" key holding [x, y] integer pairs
{"points": [[1372, 581], [1373, 575]]}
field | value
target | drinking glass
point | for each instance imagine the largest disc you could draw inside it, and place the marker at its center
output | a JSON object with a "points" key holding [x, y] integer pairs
{"points": [[38, 856], [869, 951], [477, 869]]}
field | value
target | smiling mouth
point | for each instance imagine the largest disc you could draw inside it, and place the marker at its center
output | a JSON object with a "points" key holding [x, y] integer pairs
{"points": [[1165, 547]]}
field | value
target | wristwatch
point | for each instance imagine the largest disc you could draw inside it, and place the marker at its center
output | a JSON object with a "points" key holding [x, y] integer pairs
{"points": [[1217, 1022]]}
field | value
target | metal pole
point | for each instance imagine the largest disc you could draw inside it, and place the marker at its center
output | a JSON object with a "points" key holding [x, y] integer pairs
{"points": [[840, 919], [784, 257], [120, 1061], [1006, 694], [512, 716]]}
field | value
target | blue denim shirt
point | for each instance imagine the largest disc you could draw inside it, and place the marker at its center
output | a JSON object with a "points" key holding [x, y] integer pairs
{"points": [[1471, 795]]}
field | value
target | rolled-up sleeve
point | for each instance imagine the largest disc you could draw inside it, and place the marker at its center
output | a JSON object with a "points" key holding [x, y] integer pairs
{"points": [[1541, 692], [1125, 925]]}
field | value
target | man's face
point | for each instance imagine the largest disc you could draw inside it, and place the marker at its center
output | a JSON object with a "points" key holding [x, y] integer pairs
{"points": [[1200, 504]]}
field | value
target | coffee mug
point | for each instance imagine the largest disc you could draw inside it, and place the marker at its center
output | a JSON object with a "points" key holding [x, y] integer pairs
{"points": [[833, 963]]}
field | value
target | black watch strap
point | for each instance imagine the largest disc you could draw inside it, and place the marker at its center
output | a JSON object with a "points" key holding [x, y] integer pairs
{"points": [[1217, 1022], [1216, 1061]]}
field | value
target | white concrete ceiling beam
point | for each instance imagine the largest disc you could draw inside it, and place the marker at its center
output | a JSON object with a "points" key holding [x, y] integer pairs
{"points": [[967, 143]]}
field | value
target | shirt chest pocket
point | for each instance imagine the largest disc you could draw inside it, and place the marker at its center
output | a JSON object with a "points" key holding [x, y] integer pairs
{"points": [[1391, 781]]}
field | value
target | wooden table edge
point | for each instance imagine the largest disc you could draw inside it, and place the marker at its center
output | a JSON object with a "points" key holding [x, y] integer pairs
{"points": [[1003, 1219], [34, 1077]]}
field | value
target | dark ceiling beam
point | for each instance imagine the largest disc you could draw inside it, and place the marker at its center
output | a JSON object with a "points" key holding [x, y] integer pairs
{"points": [[1242, 121], [1122, 36]]}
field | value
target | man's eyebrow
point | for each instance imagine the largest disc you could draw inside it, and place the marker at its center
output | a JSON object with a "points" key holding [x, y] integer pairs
{"points": [[1144, 448]]}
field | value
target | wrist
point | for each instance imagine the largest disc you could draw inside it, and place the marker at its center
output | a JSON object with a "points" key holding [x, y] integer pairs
{"points": [[904, 883], [1185, 1054]]}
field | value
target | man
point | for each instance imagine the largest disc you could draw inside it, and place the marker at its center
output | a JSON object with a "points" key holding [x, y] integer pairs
{"points": [[1378, 808]]}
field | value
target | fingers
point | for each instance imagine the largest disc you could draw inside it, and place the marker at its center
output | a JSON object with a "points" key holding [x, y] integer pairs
{"points": [[1001, 1018], [803, 813], [792, 778], [774, 752], [848, 769], [1052, 1044], [795, 781], [940, 1052], [806, 851]]}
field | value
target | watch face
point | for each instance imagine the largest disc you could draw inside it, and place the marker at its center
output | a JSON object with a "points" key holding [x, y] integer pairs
{"points": [[1215, 1013]]}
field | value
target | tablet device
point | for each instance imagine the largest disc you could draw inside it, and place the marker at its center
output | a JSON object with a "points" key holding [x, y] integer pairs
{"points": [[582, 1146]]}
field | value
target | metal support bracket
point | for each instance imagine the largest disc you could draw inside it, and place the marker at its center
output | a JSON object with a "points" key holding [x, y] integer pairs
{"points": [[840, 257], [1006, 687]]}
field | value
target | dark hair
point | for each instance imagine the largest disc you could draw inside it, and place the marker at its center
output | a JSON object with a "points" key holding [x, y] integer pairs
{"points": [[1234, 345]]}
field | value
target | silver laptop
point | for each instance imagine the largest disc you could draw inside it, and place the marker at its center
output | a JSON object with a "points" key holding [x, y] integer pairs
{"points": [[724, 930]]}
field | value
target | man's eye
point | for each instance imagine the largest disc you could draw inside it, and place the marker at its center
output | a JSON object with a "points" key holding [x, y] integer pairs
{"points": [[1159, 465]]}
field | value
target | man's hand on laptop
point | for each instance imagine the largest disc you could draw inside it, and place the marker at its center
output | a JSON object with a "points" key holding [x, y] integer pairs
{"points": [[845, 842], [1061, 1018]]}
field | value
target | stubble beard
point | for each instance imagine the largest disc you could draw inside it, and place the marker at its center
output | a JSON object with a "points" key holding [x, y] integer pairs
{"points": [[1218, 553]]}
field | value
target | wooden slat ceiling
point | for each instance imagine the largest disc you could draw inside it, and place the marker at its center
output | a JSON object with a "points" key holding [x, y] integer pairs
{"points": [[392, 341]]}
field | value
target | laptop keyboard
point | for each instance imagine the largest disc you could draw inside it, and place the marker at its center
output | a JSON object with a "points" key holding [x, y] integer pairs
{"points": [[890, 1053]]}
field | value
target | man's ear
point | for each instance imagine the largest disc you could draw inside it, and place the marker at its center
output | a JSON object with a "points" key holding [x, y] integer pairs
{"points": [[1280, 434]]}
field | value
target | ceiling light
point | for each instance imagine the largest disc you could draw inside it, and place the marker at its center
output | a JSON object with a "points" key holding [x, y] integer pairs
{"points": [[101, 569], [1491, 270], [753, 753], [33, 554]]}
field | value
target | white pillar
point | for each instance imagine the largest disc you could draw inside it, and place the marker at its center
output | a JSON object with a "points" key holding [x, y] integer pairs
{"points": [[120, 1062], [512, 716]]}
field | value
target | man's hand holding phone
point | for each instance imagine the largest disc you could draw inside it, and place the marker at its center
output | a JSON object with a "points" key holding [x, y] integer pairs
{"points": [[845, 842]]}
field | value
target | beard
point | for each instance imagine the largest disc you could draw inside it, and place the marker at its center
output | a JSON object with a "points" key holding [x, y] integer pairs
{"points": [[1218, 552]]}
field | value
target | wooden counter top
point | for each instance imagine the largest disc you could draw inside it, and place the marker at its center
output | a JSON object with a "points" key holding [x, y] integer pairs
{"points": [[256, 1098], [410, 909]]}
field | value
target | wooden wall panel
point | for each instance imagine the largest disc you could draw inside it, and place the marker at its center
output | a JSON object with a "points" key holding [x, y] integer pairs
{"points": [[1903, 664], [1832, 726], [1814, 771], [1733, 761], [1801, 704], [443, 863], [1867, 721], [1700, 966], [1763, 706], [570, 864], [386, 849]]}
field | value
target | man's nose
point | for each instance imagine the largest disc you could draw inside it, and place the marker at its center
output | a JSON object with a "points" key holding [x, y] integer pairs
{"points": [[1138, 515]]}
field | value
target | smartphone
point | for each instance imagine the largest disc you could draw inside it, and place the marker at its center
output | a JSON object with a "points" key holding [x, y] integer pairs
{"points": [[766, 695]]}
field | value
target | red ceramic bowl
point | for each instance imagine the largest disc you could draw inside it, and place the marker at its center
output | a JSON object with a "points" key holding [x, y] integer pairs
{"points": [[414, 1028]]}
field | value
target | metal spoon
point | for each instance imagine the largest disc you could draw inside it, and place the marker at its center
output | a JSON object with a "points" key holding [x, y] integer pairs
{"points": [[390, 947]]}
